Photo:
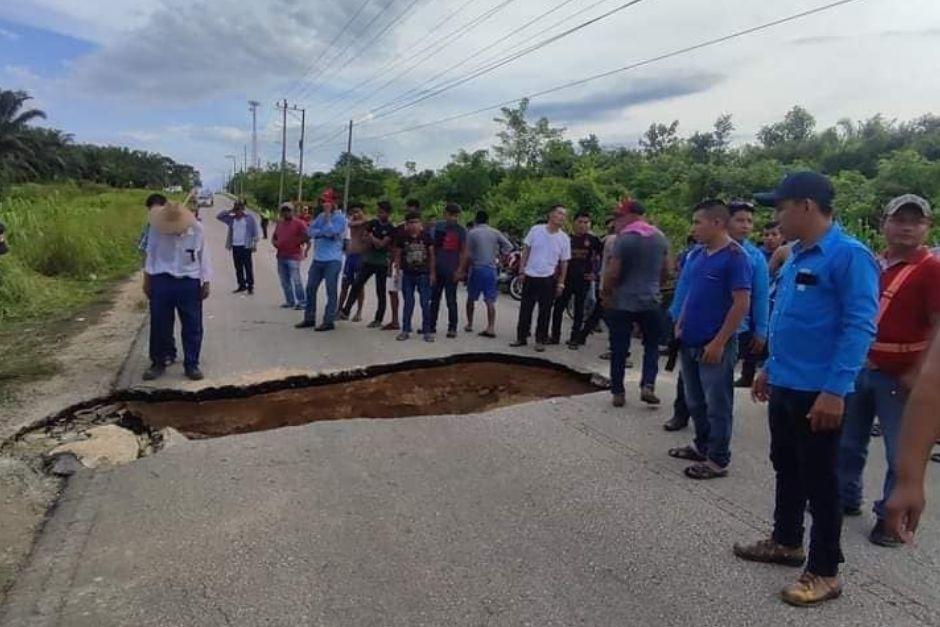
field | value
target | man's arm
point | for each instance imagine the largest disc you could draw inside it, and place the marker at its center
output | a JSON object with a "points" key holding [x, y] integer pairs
{"points": [[224, 216], [741, 302], [523, 260], [611, 277], [205, 267], [431, 263], [760, 300], [560, 277]]}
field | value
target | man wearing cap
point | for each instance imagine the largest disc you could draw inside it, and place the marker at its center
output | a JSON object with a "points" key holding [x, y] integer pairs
{"points": [[909, 308], [242, 240], [821, 327], [290, 240], [327, 232], [176, 281]]}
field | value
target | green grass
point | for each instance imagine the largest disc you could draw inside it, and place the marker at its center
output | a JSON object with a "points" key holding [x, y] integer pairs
{"points": [[68, 245]]}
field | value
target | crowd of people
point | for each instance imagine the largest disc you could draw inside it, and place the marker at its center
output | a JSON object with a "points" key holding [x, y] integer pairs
{"points": [[830, 335]]}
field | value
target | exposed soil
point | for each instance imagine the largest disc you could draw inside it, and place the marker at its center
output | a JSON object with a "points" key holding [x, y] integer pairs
{"points": [[461, 388]]}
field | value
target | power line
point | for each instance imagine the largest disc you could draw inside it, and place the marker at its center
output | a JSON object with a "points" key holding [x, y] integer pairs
{"points": [[625, 68]]}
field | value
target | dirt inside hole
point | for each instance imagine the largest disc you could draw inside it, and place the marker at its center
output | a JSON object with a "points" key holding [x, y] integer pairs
{"points": [[461, 388]]}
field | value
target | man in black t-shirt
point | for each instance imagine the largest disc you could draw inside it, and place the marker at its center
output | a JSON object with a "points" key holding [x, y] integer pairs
{"points": [[414, 261], [586, 249], [450, 238], [375, 262]]}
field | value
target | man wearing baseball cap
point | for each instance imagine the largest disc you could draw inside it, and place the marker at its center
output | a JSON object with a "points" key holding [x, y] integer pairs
{"points": [[909, 308], [821, 328]]}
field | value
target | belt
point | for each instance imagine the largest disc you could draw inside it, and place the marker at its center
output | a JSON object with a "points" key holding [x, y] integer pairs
{"points": [[899, 349]]}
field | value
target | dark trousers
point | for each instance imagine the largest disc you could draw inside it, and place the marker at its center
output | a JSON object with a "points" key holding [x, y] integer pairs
{"points": [[747, 356], [170, 297], [244, 271], [621, 324], [409, 283], [577, 290], [264, 228], [541, 291], [806, 466], [446, 285], [366, 272], [680, 411]]}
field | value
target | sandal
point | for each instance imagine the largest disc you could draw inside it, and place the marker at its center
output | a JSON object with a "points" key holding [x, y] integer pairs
{"points": [[687, 452], [486, 334], [705, 471]]}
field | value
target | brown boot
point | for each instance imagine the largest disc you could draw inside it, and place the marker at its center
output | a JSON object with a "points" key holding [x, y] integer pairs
{"points": [[811, 590], [619, 400], [771, 552]]}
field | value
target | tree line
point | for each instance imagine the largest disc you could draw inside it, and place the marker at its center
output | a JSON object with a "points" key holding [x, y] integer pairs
{"points": [[30, 153], [532, 165]]}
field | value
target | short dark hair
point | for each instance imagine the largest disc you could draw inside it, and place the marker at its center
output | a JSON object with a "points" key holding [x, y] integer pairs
{"points": [[772, 225], [357, 205], [557, 205], [412, 215], [452, 208], [584, 213], [413, 203], [482, 217], [155, 199], [714, 207], [737, 206], [385, 206], [239, 204]]}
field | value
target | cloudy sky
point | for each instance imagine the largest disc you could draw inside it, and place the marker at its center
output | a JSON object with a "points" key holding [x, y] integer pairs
{"points": [[175, 76]]}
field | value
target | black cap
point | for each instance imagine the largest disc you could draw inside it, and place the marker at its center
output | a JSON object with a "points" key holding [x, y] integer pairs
{"points": [[798, 185]]}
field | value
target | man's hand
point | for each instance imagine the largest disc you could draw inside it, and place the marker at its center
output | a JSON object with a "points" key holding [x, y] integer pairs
{"points": [[521, 278], [559, 289], [826, 413], [903, 510], [713, 351], [205, 291], [760, 389], [757, 345]]}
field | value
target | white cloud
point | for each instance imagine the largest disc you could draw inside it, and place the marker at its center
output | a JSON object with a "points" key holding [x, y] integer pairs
{"points": [[9, 34]]}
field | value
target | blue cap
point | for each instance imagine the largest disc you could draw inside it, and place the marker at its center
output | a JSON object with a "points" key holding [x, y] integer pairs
{"points": [[798, 185]]}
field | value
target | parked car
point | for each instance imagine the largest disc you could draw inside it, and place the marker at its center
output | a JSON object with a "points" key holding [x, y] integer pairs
{"points": [[205, 198]]}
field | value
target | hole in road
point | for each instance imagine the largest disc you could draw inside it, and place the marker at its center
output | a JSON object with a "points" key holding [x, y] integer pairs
{"points": [[462, 388]]}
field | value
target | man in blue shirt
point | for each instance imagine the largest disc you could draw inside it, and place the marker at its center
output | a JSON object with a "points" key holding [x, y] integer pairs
{"points": [[327, 232], [711, 300], [821, 327], [752, 336]]}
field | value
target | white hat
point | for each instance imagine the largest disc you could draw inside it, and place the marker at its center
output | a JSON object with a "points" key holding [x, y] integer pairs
{"points": [[171, 219]]}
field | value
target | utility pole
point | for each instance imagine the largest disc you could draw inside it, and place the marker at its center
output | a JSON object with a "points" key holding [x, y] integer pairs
{"points": [[234, 173], [280, 189], [303, 129], [253, 105], [348, 167], [244, 169]]}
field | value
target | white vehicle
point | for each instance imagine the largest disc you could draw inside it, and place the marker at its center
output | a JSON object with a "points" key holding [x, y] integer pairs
{"points": [[205, 198]]}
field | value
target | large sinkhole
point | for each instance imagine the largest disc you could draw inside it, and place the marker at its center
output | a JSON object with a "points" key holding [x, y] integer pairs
{"points": [[460, 384]]}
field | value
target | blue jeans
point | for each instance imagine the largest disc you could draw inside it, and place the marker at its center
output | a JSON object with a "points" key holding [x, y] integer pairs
{"points": [[421, 282], [170, 296], [876, 394], [709, 394], [293, 286], [621, 324], [322, 271]]}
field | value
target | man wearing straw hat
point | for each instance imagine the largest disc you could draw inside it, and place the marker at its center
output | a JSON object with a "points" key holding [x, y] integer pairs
{"points": [[176, 281]]}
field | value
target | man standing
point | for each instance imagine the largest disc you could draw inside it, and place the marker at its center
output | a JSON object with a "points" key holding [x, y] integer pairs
{"points": [[242, 240], [484, 246], [772, 240], [630, 292], [586, 249], [290, 240], [450, 239], [543, 267], [355, 247], [752, 336], [821, 328], [176, 281], [327, 232], [375, 262], [414, 261], [909, 309]]}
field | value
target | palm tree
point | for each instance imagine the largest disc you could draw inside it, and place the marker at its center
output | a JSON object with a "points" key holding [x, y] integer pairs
{"points": [[14, 146]]}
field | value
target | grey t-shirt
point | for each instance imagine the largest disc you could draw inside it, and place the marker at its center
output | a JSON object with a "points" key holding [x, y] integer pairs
{"points": [[641, 265], [485, 244]]}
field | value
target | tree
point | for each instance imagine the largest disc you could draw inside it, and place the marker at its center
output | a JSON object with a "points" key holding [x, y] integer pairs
{"points": [[797, 126], [14, 142], [590, 145], [521, 144], [723, 129], [659, 138]]}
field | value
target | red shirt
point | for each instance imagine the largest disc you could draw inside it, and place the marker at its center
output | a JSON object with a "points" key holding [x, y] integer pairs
{"points": [[909, 317], [289, 238]]}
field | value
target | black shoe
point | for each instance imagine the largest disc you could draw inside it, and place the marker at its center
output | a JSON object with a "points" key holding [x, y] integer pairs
{"points": [[325, 327], [154, 372], [648, 396], [518, 344], [194, 374], [169, 361], [552, 341], [452, 333], [851, 511], [880, 536], [676, 424], [744, 382], [876, 431], [241, 289], [251, 291], [306, 324]]}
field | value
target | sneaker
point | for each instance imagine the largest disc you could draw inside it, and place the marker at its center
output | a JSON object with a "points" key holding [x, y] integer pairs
{"points": [[194, 374], [325, 327], [539, 348], [648, 396], [676, 424], [880, 536], [429, 337], [299, 307], [517, 344], [287, 306], [251, 291], [468, 329], [770, 552], [239, 290], [851, 510], [154, 372], [169, 361], [811, 590], [391, 326], [619, 400], [452, 333], [342, 316], [401, 337], [375, 324], [306, 324]]}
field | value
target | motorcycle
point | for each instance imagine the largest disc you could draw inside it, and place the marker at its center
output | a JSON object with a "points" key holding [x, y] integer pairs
{"points": [[509, 280]]}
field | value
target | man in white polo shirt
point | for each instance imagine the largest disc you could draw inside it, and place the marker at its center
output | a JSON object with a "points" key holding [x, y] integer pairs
{"points": [[543, 267]]}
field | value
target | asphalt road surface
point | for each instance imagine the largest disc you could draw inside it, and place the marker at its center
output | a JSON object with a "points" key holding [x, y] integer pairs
{"points": [[557, 512]]}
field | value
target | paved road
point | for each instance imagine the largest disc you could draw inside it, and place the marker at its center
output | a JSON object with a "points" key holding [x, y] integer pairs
{"points": [[550, 513]]}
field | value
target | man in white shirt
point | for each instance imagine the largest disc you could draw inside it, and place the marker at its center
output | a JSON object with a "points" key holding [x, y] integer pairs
{"points": [[544, 264], [176, 281]]}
